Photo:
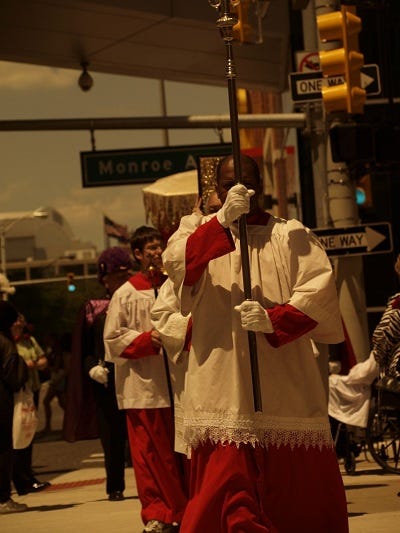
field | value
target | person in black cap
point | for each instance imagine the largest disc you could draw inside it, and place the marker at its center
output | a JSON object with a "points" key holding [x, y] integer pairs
{"points": [[115, 266], [91, 407]]}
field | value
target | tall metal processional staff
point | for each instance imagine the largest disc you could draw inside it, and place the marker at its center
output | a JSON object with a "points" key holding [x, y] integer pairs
{"points": [[225, 23]]}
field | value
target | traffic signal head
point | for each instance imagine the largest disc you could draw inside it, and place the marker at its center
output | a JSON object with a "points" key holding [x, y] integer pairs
{"points": [[70, 282], [345, 61], [364, 192], [352, 142], [242, 30]]}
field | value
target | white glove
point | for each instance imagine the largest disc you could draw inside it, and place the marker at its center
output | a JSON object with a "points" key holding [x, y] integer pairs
{"points": [[254, 317], [237, 203], [100, 374]]}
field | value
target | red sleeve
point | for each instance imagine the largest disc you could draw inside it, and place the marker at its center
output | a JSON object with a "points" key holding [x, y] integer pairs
{"points": [[140, 347], [209, 241], [289, 324]]}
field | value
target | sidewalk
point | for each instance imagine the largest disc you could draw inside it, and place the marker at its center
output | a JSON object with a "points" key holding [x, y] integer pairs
{"points": [[80, 507], [372, 500], [76, 500]]}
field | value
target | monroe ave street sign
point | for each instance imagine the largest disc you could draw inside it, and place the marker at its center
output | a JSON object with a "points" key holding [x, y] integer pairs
{"points": [[373, 238], [124, 167]]}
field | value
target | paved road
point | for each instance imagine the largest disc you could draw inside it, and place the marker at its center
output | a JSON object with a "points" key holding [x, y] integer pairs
{"points": [[77, 500]]}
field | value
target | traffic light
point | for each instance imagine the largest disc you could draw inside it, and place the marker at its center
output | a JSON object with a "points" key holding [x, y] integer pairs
{"points": [[242, 30], [346, 61], [70, 282], [364, 191], [352, 142]]}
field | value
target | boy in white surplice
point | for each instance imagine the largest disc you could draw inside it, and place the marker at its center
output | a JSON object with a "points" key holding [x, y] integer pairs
{"points": [[141, 385]]}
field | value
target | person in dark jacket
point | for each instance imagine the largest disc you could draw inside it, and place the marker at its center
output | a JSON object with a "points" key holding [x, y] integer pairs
{"points": [[91, 407], [115, 266], [13, 375]]}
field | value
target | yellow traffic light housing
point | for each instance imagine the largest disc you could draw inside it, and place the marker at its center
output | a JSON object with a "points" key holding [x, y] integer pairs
{"points": [[346, 61], [242, 30]]}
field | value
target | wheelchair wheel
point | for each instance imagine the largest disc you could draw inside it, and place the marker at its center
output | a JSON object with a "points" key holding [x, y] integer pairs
{"points": [[383, 437]]}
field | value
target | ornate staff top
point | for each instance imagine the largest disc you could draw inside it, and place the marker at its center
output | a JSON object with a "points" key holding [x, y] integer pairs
{"points": [[225, 23]]}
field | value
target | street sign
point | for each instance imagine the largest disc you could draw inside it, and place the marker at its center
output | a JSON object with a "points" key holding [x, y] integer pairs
{"points": [[306, 86], [375, 238], [307, 61], [371, 80], [124, 167]]}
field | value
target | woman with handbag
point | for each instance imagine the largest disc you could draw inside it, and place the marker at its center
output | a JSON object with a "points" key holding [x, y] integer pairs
{"points": [[13, 375], [23, 477]]}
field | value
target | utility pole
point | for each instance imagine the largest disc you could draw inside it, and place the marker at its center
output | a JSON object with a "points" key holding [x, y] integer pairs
{"points": [[316, 128], [340, 103], [316, 132]]}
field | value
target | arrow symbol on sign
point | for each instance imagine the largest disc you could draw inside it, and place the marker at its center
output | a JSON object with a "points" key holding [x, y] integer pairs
{"points": [[366, 80], [373, 238]]}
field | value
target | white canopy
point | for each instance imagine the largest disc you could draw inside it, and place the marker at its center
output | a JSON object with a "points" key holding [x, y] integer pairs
{"points": [[170, 198]]}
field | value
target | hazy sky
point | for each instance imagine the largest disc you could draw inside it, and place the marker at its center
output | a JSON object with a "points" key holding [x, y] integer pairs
{"points": [[43, 168]]}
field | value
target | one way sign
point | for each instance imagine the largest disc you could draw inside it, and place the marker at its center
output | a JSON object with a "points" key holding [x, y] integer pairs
{"points": [[307, 86], [370, 79], [373, 238]]}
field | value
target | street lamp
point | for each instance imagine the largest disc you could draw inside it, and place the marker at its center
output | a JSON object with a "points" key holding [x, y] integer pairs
{"points": [[4, 228]]}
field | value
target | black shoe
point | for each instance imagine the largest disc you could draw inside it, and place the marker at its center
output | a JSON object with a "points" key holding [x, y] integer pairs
{"points": [[37, 486], [34, 486], [116, 496]]}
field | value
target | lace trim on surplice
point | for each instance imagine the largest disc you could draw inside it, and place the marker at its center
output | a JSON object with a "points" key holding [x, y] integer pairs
{"points": [[261, 429]]}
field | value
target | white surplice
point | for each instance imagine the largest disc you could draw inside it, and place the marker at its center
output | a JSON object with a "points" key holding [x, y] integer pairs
{"points": [[139, 383], [287, 266]]}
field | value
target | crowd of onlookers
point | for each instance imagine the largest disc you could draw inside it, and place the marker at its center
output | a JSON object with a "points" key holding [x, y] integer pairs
{"points": [[47, 366]]}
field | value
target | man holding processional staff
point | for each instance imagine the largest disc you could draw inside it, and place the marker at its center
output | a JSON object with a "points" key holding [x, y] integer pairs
{"points": [[273, 470]]}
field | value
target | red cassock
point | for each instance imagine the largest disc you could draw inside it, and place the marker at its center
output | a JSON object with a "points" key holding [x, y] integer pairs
{"points": [[142, 389]]}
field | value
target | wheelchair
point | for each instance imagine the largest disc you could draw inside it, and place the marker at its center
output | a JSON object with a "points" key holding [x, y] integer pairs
{"points": [[379, 432], [383, 429]]}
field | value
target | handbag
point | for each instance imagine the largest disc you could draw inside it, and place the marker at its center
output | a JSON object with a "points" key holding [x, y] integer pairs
{"points": [[25, 418]]}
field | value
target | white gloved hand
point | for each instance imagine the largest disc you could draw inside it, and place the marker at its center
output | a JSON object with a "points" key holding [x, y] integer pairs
{"points": [[237, 203], [100, 374], [254, 317]]}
